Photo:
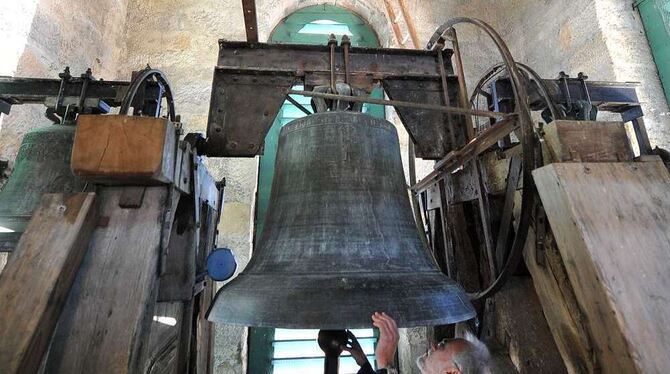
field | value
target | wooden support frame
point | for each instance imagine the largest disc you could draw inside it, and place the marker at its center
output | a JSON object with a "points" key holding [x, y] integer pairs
{"points": [[45, 262], [124, 253], [610, 225]]}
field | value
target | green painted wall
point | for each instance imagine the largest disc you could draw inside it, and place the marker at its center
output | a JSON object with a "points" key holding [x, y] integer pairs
{"points": [[655, 16], [289, 31]]}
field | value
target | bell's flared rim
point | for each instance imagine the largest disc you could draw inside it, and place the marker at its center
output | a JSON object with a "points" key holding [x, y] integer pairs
{"points": [[305, 300]]}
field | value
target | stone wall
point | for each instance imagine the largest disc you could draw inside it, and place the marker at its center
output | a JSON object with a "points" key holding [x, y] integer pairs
{"points": [[55, 34]]}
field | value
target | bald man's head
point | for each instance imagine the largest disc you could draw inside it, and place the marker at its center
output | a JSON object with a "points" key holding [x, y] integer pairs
{"points": [[456, 356]]}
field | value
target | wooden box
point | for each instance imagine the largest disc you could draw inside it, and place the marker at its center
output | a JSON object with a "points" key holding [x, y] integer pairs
{"points": [[588, 141], [119, 149]]}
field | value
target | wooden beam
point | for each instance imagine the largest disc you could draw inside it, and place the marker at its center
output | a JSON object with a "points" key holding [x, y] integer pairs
{"points": [[35, 283], [410, 24], [178, 278], [587, 141], [394, 23], [458, 158], [610, 221], [561, 310], [106, 319], [520, 325], [205, 332], [250, 22]]}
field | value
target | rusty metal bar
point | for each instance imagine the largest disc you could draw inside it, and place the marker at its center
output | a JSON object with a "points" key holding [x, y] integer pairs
{"points": [[456, 159], [396, 103], [250, 22], [463, 91], [346, 43], [445, 91], [380, 63], [332, 43]]}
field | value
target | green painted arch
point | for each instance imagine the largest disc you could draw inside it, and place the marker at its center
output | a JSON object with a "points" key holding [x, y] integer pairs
{"points": [[288, 30]]}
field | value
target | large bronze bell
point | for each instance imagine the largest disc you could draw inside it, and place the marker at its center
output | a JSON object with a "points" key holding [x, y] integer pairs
{"points": [[340, 241], [42, 166]]}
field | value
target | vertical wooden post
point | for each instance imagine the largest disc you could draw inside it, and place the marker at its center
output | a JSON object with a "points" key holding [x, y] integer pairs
{"points": [[104, 324]]}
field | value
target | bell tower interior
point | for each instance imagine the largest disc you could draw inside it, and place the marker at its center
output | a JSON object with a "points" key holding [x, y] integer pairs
{"points": [[244, 186]]}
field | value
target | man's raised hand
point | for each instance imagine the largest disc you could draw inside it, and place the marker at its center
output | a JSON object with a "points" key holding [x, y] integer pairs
{"points": [[388, 339]]}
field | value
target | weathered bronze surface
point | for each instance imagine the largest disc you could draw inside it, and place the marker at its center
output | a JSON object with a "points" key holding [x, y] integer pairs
{"points": [[340, 241], [42, 166]]}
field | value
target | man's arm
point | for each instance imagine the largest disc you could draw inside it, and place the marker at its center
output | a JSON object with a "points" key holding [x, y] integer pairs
{"points": [[388, 340]]}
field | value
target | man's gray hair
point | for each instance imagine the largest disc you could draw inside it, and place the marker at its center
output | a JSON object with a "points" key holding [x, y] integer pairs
{"points": [[475, 360]]}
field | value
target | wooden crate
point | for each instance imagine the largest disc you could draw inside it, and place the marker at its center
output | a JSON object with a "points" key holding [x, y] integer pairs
{"points": [[118, 149], [587, 141]]}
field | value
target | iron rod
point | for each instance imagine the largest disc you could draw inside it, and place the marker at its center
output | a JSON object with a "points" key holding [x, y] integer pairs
{"points": [[332, 42], [346, 43], [298, 105], [445, 92], [402, 104], [462, 89]]}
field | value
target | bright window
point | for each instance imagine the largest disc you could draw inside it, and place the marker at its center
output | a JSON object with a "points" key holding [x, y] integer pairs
{"points": [[296, 352], [325, 27]]}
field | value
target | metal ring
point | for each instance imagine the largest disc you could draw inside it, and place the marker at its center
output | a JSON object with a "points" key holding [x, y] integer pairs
{"points": [[527, 145], [138, 81], [544, 92]]}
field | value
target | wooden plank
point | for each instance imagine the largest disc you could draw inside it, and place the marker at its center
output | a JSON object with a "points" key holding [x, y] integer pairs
{"points": [[610, 221], [118, 149], [520, 325], [187, 339], [588, 141], [183, 167], [108, 313], [38, 277], [162, 351], [204, 354], [561, 310], [176, 282]]}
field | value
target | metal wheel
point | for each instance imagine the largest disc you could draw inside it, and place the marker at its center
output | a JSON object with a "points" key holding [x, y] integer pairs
{"points": [[526, 135]]}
